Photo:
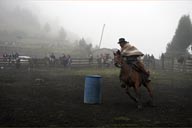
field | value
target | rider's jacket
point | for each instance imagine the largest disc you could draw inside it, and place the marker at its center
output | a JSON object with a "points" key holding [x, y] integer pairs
{"points": [[128, 50]]}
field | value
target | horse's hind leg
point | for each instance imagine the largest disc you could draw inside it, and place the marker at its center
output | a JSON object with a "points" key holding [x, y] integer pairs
{"points": [[129, 94], [147, 85]]}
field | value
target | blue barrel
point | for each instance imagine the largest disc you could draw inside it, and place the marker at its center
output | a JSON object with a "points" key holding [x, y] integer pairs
{"points": [[92, 90]]}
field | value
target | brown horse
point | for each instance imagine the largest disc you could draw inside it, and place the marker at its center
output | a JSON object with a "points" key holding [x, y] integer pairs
{"points": [[131, 77]]}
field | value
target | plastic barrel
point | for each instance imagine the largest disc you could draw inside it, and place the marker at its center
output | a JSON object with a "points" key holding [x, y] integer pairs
{"points": [[92, 90]]}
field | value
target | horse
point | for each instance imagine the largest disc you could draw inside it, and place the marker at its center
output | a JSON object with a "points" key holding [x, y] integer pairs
{"points": [[131, 77]]}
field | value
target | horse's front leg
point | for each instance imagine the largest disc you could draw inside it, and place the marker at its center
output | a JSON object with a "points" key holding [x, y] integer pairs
{"points": [[129, 94], [138, 97]]}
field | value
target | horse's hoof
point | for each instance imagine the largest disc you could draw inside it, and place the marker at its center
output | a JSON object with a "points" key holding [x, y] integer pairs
{"points": [[150, 103]]}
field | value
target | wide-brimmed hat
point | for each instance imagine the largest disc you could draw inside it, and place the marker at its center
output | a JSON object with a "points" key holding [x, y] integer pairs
{"points": [[122, 40]]}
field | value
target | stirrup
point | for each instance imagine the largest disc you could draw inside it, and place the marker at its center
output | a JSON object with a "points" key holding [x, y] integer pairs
{"points": [[148, 81]]}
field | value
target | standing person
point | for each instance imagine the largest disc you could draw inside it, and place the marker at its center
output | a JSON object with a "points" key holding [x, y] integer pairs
{"points": [[131, 54], [18, 64], [90, 59], [64, 60], [69, 61], [98, 61], [102, 60], [52, 58]]}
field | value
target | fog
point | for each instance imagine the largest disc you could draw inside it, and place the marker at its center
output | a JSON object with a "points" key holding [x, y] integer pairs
{"points": [[148, 25]]}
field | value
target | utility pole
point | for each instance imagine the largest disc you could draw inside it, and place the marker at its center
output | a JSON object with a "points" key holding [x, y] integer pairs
{"points": [[101, 36]]}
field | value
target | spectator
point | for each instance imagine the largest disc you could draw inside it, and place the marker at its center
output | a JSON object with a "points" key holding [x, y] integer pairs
{"points": [[90, 59], [69, 61], [64, 60]]}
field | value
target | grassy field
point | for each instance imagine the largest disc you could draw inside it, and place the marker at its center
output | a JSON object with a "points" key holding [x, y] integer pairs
{"points": [[53, 97]]}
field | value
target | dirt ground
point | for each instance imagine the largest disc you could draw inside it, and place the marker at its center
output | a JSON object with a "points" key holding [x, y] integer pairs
{"points": [[57, 101]]}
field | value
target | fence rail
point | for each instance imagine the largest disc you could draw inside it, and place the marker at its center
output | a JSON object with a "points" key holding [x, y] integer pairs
{"points": [[174, 65], [167, 63], [39, 62]]}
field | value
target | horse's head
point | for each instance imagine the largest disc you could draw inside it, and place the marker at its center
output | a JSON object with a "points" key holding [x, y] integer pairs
{"points": [[117, 58]]}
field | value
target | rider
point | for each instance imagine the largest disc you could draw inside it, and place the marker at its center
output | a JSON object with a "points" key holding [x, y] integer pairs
{"points": [[131, 55]]}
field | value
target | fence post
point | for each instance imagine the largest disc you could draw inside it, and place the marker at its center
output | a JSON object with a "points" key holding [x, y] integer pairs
{"points": [[162, 61], [172, 63], [184, 65]]}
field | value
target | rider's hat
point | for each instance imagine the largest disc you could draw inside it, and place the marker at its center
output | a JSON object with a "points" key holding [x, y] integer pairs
{"points": [[122, 40]]}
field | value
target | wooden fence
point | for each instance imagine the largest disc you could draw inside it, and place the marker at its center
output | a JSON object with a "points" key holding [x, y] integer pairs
{"points": [[168, 63], [43, 62], [172, 64]]}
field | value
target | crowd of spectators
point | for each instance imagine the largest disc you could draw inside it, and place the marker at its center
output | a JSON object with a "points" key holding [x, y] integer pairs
{"points": [[10, 57], [104, 60], [65, 60]]}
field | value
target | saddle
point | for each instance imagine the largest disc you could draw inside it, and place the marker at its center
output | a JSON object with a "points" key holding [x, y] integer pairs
{"points": [[137, 65]]}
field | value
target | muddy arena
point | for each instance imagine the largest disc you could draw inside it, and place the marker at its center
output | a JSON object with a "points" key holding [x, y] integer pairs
{"points": [[53, 97]]}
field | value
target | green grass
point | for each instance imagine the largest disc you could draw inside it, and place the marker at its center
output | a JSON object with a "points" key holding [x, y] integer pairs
{"points": [[168, 75], [79, 72], [14, 75]]}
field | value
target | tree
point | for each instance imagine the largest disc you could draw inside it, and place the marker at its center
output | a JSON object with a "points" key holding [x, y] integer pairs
{"points": [[83, 48], [47, 27], [82, 43], [62, 34], [182, 38]]}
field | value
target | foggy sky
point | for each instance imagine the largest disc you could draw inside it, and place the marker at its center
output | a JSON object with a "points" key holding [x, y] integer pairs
{"points": [[148, 25]]}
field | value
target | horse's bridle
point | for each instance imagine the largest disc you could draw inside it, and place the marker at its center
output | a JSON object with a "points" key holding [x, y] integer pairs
{"points": [[118, 63]]}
